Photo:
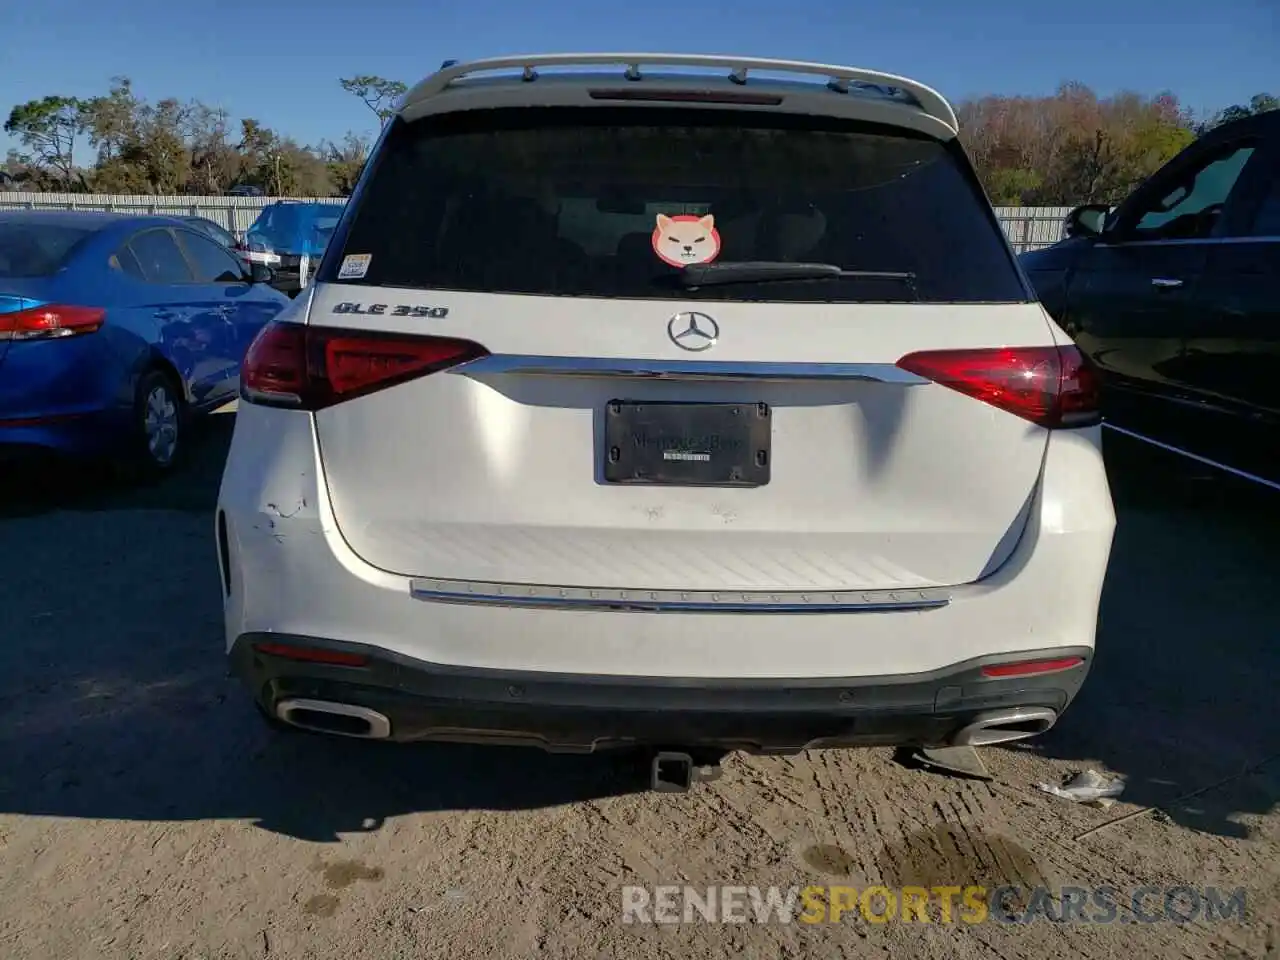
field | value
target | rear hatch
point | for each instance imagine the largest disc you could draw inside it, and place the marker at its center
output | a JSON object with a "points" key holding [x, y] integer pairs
{"points": [[628, 427]]}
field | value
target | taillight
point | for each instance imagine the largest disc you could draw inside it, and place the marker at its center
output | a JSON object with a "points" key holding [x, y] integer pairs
{"points": [[308, 368], [1050, 386], [50, 321]]}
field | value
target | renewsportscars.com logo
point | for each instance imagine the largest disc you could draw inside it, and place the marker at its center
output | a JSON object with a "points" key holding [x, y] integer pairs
{"points": [[939, 904]]}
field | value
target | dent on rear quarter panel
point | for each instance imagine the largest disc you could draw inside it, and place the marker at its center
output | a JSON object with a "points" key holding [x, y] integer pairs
{"points": [[269, 483], [1008, 544]]}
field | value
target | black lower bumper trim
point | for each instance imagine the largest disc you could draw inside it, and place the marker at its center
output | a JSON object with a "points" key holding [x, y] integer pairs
{"points": [[582, 713]]}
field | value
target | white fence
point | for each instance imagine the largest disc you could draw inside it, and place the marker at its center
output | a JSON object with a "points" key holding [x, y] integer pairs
{"points": [[1030, 228], [234, 213], [1027, 227]]}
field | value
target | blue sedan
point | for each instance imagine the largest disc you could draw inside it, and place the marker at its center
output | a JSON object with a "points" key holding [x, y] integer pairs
{"points": [[115, 329]]}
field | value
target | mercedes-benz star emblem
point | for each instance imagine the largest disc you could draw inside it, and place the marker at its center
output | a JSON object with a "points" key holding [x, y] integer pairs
{"points": [[693, 331]]}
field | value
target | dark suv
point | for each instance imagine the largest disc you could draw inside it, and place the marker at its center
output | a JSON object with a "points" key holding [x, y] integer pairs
{"points": [[1175, 296]]}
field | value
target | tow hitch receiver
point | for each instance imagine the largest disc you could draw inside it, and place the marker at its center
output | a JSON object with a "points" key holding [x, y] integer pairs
{"points": [[675, 772]]}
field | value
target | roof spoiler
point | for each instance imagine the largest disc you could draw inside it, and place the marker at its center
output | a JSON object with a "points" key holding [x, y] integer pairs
{"points": [[840, 80]]}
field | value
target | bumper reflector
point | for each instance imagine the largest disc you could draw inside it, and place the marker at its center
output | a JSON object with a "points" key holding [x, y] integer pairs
{"points": [[1028, 668], [312, 654]]}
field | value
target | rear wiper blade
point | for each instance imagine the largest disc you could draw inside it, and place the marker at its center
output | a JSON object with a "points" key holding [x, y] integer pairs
{"points": [[767, 271]]}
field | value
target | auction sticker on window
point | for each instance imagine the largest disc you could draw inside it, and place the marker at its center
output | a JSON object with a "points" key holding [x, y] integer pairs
{"points": [[354, 266]]}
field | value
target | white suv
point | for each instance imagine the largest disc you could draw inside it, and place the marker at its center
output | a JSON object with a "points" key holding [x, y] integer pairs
{"points": [[704, 409]]}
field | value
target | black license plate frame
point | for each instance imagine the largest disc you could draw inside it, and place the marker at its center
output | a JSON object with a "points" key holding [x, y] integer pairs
{"points": [[673, 443]]}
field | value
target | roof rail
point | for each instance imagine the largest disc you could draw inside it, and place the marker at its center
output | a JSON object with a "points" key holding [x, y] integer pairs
{"points": [[839, 79]]}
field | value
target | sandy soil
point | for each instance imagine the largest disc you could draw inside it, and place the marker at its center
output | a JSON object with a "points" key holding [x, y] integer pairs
{"points": [[146, 813]]}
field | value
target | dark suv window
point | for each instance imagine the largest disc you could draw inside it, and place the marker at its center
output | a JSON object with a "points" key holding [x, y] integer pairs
{"points": [[600, 202], [1266, 216], [1193, 204]]}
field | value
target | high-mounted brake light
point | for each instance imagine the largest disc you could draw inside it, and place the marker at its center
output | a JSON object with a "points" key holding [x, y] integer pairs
{"points": [[309, 368], [662, 95], [1053, 387], [50, 321]]}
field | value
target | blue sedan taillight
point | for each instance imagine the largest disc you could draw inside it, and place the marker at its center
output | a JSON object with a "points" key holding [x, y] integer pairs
{"points": [[50, 321]]}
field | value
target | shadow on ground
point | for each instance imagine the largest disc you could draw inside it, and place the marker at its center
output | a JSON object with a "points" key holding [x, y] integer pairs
{"points": [[29, 489], [1182, 694], [114, 701], [178, 750]]}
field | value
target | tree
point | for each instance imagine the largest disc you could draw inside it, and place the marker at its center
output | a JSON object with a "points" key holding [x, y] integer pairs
{"points": [[1072, 147], [378, 94], [345, 160], [48, 128], [1258, 103], [308, 172], [214, 162], [1059, 150], [260, 155], [112, 120], [20, 175], [112, 123], [142, 147], [279, 165]]}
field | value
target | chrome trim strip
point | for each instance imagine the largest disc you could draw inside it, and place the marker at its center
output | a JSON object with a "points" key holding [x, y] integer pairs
{"points": [[484, 593], [537, 366], [1244, 475]]}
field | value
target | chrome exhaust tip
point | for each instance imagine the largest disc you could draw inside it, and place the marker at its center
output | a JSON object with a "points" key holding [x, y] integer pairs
{"points": [[1002, 726], [342, 719]]}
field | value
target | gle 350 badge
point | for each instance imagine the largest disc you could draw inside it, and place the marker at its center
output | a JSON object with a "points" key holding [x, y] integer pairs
{"points": [[396, 310]]}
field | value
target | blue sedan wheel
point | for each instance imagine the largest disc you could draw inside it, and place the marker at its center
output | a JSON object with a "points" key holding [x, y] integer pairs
{"points": [[160, 426]]}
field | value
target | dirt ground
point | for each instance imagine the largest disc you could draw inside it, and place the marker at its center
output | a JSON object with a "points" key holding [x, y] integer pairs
{"points": [[146, 813]]}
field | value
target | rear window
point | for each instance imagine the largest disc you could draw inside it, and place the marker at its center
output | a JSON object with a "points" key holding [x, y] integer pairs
{"points": [[601, 202], [36, 249], [213, 230]]}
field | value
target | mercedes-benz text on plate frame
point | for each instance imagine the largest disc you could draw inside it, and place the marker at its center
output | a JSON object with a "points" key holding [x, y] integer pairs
{"points": [[693, 331]]}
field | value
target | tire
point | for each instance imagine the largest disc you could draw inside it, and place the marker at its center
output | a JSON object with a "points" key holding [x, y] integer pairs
{"points": [[159, 428]]}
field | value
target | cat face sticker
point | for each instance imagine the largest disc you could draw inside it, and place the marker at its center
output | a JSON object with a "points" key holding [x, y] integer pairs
{"points": [[684, 239]]}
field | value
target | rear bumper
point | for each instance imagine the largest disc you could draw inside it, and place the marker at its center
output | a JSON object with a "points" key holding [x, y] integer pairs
{"points": [[73, 435], [581, 713], [69, 396], [287, 570]]}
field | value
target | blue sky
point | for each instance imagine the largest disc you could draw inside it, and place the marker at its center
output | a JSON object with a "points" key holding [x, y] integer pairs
{"points": [[279, 62]]}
